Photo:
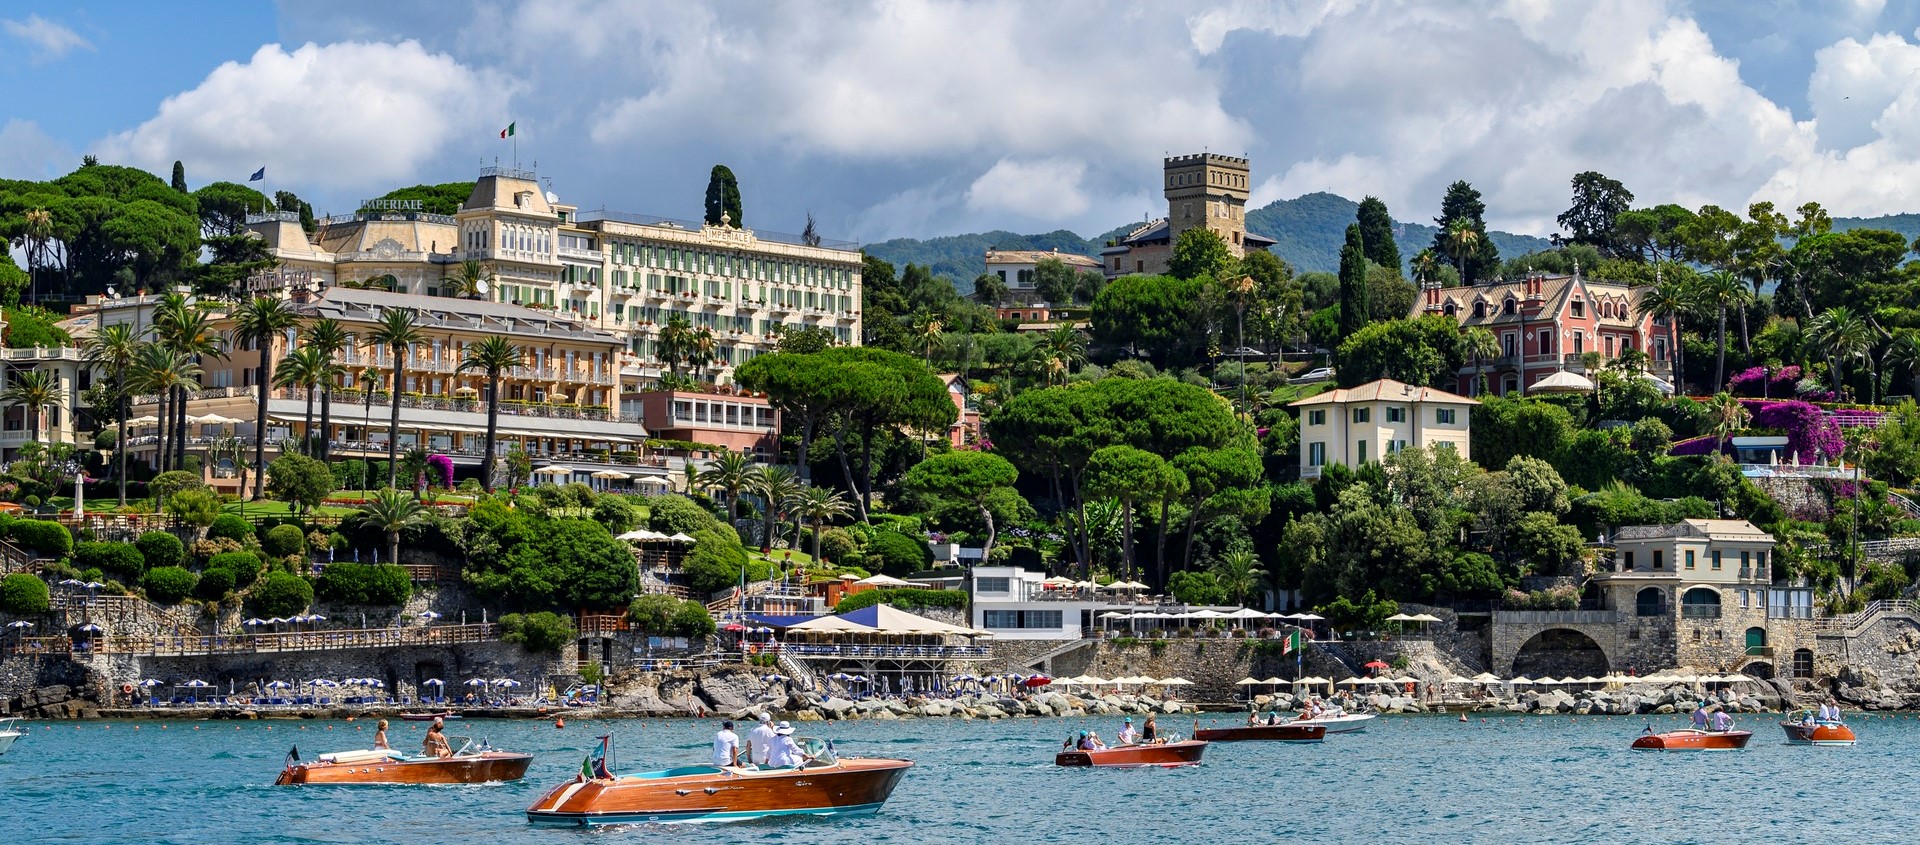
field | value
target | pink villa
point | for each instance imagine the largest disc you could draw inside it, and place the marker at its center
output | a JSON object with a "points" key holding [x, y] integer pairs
{"points": [[739, 422], [1545, 325]]}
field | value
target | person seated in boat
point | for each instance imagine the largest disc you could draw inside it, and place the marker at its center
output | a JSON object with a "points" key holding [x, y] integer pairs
{"points": [[1722, 722], [1149, 733], [380, 737], [1083, 743], [1127, 735], [1253, 718], [1700, 717], [760, 740], [435, 743], [1830, 711], [726, 746], [784, 753]]}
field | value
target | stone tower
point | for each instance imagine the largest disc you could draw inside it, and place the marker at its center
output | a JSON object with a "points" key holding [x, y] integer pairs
{"points": [[1210, 190]]}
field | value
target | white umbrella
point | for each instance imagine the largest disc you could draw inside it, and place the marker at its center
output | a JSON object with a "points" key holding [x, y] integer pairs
{"points": [[553, 471], [611, 475], [1521, 680], [508, 683], [680, 538], [1175, 682], [1400, 617], [279, 685], [1114, 615], [20, 624], [1350, 682], [1308, 617], [147, 419], [151, 682], [1248, 682], [433, 682]]}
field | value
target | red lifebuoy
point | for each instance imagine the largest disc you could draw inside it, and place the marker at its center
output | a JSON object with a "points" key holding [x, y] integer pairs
{"points": [[126, 689]]}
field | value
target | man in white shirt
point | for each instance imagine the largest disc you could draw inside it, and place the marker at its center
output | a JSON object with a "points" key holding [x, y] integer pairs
{"points": [[760, 740], [1830, 711], [726, 746], [784, 753], [1127, 736]]}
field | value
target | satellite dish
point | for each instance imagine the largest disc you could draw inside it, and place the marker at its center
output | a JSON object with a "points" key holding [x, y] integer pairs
{"points": [[112, 293], [480, 286], [552, 197]]}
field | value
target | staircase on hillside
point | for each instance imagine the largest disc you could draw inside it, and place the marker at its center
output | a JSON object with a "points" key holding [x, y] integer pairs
{"points": [[1044, 662], [801, 674]]}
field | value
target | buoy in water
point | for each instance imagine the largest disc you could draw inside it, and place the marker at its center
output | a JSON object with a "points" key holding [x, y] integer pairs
{"points": [[560, 723], [1463, 717]]}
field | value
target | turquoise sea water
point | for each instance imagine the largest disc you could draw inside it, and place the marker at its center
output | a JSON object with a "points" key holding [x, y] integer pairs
{"points": [[1407, 779]]}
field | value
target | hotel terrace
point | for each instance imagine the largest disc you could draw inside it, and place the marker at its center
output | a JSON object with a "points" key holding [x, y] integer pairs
{"points": [[583, 295]]}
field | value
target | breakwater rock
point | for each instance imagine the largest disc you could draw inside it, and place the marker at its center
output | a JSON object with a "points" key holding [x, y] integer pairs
{"points": [[58, 701], [812, 707], [1756, 696]]}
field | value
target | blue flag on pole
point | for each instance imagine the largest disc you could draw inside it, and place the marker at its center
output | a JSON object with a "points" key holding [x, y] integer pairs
{"points": [[258, 175]]}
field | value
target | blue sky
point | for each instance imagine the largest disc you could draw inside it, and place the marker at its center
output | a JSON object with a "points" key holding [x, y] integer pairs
{"points": [[926, 118]]}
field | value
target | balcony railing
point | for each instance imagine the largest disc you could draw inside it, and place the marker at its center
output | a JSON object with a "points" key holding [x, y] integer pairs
{"points": [[451, 403], [1700, 611]]}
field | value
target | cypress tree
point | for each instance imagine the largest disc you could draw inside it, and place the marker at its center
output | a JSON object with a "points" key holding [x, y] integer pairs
{"points": [[180, 177], [723, 196], [1354, 304], [1376, 234]]}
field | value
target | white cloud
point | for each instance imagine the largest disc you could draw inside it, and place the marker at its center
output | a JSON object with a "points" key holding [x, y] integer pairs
{"points": [[27, 152], [340, 116], [1048, 188], [48, 39]]}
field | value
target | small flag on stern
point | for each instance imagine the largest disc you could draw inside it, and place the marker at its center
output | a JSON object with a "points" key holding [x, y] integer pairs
{"points": [[507, 132]]}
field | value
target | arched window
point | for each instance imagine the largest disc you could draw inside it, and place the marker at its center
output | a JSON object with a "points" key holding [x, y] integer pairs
{"points": [[1508, 306], [1700, 603], [1448, 309], [1479, 308], [1650, 601], [1803, 663]]}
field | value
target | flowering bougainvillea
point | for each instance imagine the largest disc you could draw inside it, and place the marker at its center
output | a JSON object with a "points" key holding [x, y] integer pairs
{"points": [[1756, 381], [1811, 435], [440, 471]]}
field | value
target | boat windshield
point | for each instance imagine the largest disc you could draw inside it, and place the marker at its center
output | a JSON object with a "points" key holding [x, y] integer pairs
{"points": [[819, 751]]}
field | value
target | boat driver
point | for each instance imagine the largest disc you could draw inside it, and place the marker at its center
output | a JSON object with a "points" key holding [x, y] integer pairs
{"points": [[1721, 721], [435, 743], [1127, 736], [1830, 711], [784, 753]]}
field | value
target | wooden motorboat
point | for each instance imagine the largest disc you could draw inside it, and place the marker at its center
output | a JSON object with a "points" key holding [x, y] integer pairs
{"points": [[428, 717], [1167, 755], [1818, 732], [1294, 731], [1693, 739], [825, 785], [387, 767]]}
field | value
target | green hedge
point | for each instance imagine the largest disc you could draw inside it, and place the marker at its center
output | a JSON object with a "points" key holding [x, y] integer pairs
{"points": [[245, 567], [229, 526], [122, 559], [22, 594], [214, 584], [541, 632], [904, 598], [284, 540], [48, 538], [895, 553], [169, 584], [280, 594], [160, 548], [358, 583]]}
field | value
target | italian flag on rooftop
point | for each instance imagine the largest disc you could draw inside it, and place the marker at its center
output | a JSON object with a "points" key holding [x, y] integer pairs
{"points": [[508, 132]]}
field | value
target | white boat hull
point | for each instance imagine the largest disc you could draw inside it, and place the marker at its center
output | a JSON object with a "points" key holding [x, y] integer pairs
{"points": [[6, 740], [1344, 724]]}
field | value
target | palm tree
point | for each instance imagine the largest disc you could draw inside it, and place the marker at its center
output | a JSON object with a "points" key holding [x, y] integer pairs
{"points": [[702, 349], [188, 330], [35, 389], [470, 280], [1728, 416], [1905, 352], [1059, 351], [413, 465], [675, 345], [730, 471], [36, 234], [1668, 300], [817, 505], [1479, 344], [1845, 336], [329, 336], [113, 350], [1462, 240], [257, 323], [492, 356], [1722, 290], [397, 332], [304, 369], [774, 485], [391, 511], [927, 331], [1240, 573], [158, 369], [1425, 262], [369, 382]]}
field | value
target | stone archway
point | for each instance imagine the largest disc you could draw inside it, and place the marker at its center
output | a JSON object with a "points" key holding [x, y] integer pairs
{"points": [[1758, 669], [1559, 653]]}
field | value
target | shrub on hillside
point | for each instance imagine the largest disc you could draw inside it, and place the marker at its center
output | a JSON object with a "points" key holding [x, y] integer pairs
{"points": [[717, 560], [48, 538], [616, 513], [676, 514], [214, 584], [904, 598], [895, 553], [121, 559], [667, 616], [383, 584], [159, 548], [230, 526], [22, 594], [280, 594], [542, 632], [691, 619], [284, 540], [168, 584], [245, 567], [839, 545]]}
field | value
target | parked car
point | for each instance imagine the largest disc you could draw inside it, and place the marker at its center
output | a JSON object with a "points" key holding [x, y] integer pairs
{"points": [[1312, 376]]}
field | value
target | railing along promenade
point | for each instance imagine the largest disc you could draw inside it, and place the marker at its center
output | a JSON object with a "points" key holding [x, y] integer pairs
{"points": [[331, 639]]}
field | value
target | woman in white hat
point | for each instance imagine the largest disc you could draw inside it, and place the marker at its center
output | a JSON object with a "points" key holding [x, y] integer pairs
{"points": [[784, 754]]}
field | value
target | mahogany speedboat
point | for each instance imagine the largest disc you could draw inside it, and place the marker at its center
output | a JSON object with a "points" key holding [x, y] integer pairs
{"points": [[1294, 731], [1693, 739], [1818, 732], [1339, 722], [428, 717], [825, 785], [387, 767], [1169, 755]]}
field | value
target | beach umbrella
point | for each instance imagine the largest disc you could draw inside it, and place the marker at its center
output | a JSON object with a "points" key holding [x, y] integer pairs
{"points": [[90, 628], [1350, 682], [254, 623], [1248, 682], [1175, 682], [477, 682], [72, 582], [20, 624], [152, 682], [1400, 617], [1486, 678], [1403, 679], [1036, 681], [323, 682], [279, 685], [1548, 682], [92, 585], [429, 615], [680, 538], [433, 682], [315, 617], [1308, 617], [1375, 664], [1521, 680], [196, 683], [374, 683], [506, 683]]}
